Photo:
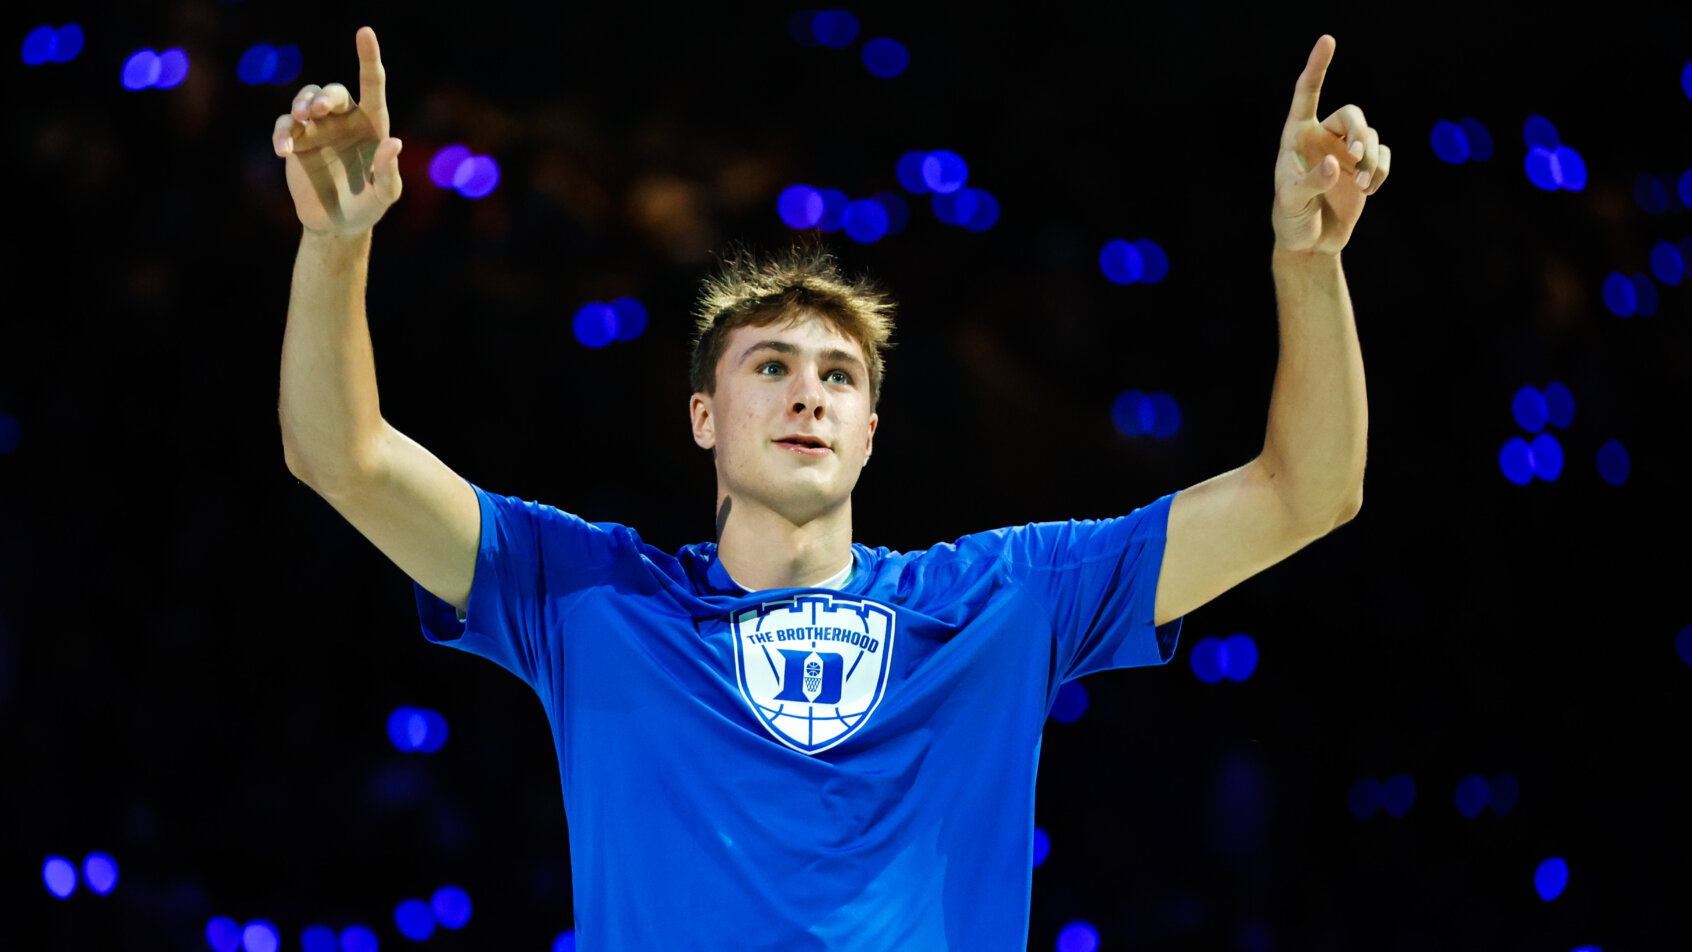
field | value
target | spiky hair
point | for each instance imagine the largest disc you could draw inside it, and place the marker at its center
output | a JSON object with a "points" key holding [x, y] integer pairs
{"points": [[748, 290]]}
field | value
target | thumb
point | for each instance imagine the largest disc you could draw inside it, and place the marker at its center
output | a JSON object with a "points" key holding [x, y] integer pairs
{"points": [[386, 167], [1299, 192]]}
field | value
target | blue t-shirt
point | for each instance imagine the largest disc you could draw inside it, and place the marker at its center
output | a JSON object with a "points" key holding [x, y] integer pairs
{"points": [[801, 770]]}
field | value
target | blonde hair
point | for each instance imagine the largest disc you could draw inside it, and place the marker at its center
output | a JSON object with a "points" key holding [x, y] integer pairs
{"points": [[750, 291]]}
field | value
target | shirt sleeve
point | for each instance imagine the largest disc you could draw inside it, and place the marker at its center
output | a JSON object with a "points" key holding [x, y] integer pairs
{"points": [[1097, 580], [532, 562]]}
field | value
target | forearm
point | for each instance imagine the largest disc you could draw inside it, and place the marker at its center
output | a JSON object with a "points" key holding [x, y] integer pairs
{"points": [[1318, 411], [328, 406]]}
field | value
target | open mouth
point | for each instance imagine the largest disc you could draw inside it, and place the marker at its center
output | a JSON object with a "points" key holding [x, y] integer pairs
{"points": [[805, 444]]}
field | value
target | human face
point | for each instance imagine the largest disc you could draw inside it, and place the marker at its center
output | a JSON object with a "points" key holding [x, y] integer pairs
{"points": [[790, 423]]}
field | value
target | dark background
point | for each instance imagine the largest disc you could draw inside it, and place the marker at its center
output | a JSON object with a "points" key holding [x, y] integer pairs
{"points": [[198, 655]]}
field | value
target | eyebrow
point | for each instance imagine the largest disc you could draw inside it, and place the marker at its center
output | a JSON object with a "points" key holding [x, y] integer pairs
{"points": [[783, 347]]}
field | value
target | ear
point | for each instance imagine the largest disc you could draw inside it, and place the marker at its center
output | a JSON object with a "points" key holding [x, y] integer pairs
{"points": [[869, 443], [704, 424]]}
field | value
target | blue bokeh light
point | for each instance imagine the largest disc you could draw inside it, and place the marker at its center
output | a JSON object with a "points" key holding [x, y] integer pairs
{"points": [[11, 433], [223, 934], [68, 41], [1516, 461], [898, 210], [1539, 131], [631, 322], [1078, 936], [1613, 463], [1667, 264], [100, 871], [1207, 660], [1551, 878], [1559, 405], [434, 732], [1155, 262], [414, 919], [1570, 168], [1644, 295], [39, 45], [443, 167], [1650, 193], [1619, 294], [800, 206], [1398, 793], [1684, 186], [865, 221], [141, 70], [1133, 413], [258, 65], [1070, 704], [1239, 656], [1683, 644], [1166, 420], [1505, 793], [173, 69], [985, 214], [476, 177], [835, 203], [1121, 262], [953, 208], [1479, 139], [1547, 455], [1142, 414], [566, 942], [595, 324], [1364, 797], [1542, 169], [358, 939], [400, 722], [317, 939], [59, 875], [260, 936], [1686, 79], [1529, 409], [1449, 142], [800, 26], [886, 57], [1472, 793], [835, 29], [944, 172], [1042, 847], [451, 906], [909, 172], [289, 62]]}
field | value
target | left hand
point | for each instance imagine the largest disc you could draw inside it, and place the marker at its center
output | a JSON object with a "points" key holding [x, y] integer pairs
{"points": [[1326, 170]]}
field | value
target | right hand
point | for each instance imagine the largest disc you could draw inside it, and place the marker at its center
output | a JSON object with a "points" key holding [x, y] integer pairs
{"points": [[343, 167]]}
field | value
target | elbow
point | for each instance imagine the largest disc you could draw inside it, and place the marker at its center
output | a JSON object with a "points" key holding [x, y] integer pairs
{"points": [[1349, 508]]}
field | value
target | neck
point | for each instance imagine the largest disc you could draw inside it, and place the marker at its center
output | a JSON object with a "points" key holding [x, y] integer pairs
{"points": [[763, 549]]}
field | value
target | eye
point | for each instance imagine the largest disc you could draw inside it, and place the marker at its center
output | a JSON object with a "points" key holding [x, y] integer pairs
{"points": [[767, 366], [840, 377]]}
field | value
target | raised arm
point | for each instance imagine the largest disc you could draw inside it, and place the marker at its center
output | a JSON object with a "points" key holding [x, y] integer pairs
{"points": [[1309, 477], [343, 173]]}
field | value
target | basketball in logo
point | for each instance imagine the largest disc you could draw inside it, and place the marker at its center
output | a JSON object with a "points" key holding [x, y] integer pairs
{"points": [[813, 668]]}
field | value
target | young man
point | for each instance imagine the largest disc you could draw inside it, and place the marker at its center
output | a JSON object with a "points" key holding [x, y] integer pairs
{"points": [[785, 739]]}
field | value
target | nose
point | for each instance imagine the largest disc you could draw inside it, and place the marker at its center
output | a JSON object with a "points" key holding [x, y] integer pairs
{"points": [[807, 395]]}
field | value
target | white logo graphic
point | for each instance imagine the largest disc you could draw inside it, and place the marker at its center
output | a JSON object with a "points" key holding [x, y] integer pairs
{"points": [[813, 667]]}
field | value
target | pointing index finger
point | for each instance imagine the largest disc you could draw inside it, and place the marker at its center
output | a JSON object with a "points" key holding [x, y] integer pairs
{"points": [[1309, 88], [372, 79]]}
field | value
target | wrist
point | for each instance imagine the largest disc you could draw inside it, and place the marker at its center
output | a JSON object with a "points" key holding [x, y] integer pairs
{"points": [[335, 250], [1308, 261]]}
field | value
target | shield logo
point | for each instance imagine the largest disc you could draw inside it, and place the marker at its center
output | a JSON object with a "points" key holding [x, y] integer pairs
{"points": [[812, 668]]}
